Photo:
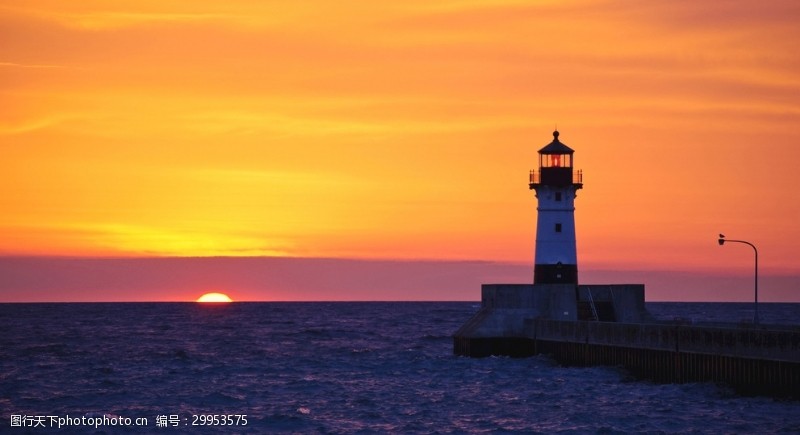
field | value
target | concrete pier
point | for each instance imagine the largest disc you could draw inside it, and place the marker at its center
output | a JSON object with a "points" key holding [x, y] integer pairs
{"points": [[752, 361], [526, 320]]}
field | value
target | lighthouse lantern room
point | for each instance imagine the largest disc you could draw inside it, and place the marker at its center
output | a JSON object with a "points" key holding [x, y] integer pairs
{"points": [[556, 185]]}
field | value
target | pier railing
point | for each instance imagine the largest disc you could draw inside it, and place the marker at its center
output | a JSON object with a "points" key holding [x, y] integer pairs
{"points": [[746, 343]]}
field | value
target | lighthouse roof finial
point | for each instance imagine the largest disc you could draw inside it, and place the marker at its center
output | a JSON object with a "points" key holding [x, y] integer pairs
{"points": [[556, 147]]}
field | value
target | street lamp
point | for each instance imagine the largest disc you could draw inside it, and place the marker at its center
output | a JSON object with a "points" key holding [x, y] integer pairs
{"points": [[722, 241]]}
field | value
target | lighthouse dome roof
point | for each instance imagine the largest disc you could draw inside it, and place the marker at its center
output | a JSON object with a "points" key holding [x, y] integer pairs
{"points": [[556, 147]]}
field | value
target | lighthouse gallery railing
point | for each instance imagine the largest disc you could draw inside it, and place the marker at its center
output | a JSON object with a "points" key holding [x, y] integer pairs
{"points": [[535, 177]]}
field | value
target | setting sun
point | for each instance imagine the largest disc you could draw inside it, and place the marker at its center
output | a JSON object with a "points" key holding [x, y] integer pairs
{"points": [[214, 297]]}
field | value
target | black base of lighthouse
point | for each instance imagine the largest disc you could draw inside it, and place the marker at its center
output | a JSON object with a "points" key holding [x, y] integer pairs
{"points": [[555, 274]]}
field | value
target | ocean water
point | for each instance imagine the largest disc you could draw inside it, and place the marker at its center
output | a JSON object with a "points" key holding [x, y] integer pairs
{"points": [[333, 368]]}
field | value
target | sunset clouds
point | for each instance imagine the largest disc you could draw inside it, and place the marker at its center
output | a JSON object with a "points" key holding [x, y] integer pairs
{"points": [[398, 129]]}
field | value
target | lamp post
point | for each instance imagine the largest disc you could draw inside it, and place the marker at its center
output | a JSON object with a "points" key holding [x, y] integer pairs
{"points": [[722, 241]]}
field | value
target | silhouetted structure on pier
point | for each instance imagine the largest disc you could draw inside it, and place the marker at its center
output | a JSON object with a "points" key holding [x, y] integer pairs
{"points": [[581, 324]]}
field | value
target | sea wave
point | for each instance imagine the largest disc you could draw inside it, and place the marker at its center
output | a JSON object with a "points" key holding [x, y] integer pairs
{"points": [[338, 367]]}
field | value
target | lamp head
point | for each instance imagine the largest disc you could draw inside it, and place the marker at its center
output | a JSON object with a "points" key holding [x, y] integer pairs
{"points": [[721, 239]]}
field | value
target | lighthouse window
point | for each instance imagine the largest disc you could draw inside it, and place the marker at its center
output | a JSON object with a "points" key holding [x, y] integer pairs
{"points": [[558, 228], [558, 196]]}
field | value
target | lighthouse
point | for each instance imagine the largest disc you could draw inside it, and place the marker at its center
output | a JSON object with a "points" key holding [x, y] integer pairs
{"points": [[556, 184], [526, 319]]}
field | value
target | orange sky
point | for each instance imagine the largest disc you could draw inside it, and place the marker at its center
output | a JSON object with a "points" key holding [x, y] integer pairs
{"points": [[399, 130]]}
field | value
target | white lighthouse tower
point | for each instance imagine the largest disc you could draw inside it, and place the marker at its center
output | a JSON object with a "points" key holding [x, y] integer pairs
{"points": [[556, 187], [513, 317]]}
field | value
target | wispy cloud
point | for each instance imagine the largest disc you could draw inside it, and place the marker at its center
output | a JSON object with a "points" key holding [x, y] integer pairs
{"points": [[110, 20], [33, 66], [30, 125]]}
